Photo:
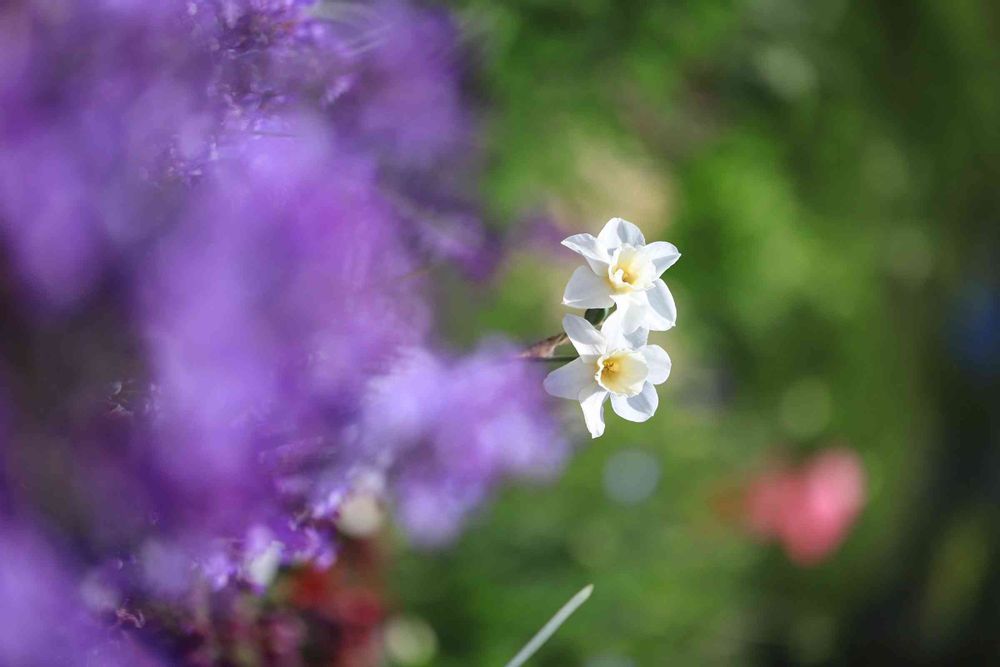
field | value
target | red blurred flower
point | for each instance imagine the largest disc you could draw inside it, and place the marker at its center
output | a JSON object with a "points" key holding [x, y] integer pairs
{"points": [[808, 508]]}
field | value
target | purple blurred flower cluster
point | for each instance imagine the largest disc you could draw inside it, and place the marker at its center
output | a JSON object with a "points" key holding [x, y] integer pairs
{"points": [[446, 430], [47, 616], [215, 218]]}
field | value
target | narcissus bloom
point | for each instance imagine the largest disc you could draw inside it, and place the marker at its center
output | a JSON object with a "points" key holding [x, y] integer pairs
{"points": [[611, 363], [622, 270]]}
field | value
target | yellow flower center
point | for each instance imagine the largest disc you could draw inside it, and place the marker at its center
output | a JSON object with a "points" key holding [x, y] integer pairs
{"points": [[621, 372], [628, 277], [629, 271]]}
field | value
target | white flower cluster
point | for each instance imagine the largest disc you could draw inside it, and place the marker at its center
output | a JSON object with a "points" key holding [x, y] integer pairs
{"points": [[622, 272]]}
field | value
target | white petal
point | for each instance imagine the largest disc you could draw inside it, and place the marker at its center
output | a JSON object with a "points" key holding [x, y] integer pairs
{"points": [[634, 309], [569, 380], [586, 290], [620, 232], [592, 250], [592, 403], [636, 408], [614, 333], [662, 314], [587, 340], [663, 255], [637, 338], [658, 362]]}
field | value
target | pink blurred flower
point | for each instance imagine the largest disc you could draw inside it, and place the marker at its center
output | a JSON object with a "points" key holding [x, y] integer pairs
{"points": [[807, 508]]}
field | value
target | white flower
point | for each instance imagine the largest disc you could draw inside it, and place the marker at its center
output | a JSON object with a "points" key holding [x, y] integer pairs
{"points": [[622, 270], [611, 363]]}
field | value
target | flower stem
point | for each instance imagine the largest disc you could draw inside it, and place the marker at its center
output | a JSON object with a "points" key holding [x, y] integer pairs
{"points": [[545, 349], [555, 360]]}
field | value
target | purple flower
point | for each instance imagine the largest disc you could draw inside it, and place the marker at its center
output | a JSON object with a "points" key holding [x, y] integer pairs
{"points": [[268, 311], [405, 101], [45, 617], [456, 428], [217, 213]]}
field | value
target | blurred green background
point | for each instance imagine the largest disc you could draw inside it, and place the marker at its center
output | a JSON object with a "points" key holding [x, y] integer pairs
{"points": [[831, 172]]}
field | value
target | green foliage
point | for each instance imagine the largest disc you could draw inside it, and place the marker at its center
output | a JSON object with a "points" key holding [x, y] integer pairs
{"points": [[828, 166]]}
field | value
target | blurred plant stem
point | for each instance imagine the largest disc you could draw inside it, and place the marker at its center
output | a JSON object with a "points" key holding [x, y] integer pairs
{"points": [[545, 349]]}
